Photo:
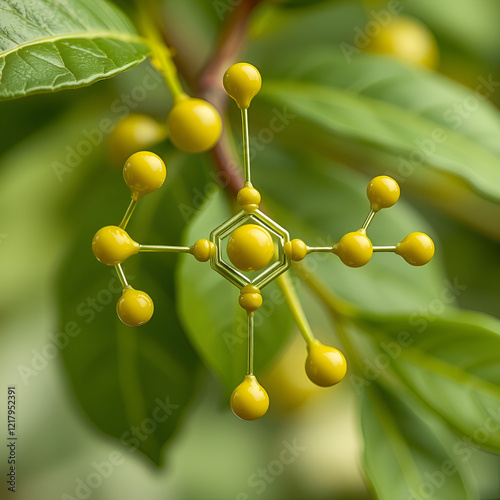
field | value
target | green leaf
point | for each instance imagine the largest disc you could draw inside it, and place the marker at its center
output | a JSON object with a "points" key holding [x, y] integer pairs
{"points": [[125, 377], [385, 117], [215, 322], [403, 457], [319, 202], [451, 361], [47, 46]]}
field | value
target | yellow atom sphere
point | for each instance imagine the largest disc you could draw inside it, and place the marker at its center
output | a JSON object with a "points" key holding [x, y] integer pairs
{"points": [[383, 192], [354, 249], [409, 40], [144, 172], [203, 250], [134, 307], [325, 365], [417, 249], [250, 247], [133, 133], [194, 125], [242, 82], [112, 245], [249, 400], [250, 298], [295, 249], [248, 198]]}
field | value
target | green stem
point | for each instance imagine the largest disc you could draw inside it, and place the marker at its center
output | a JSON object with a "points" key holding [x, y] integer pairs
{"points": [[128, 214], [161, 55], [251, 341], [296, 309], [121, 276]]}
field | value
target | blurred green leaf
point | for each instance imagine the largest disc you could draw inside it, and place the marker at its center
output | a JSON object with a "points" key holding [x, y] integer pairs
{"points": [[47, 46], [379, 115], [319, 201], [403, 458], [123, 377], [451, 361], [216, 324], [471, 26]]}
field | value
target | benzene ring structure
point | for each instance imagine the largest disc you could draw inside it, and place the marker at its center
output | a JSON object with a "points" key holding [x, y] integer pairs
{"points": [[258, 251]]}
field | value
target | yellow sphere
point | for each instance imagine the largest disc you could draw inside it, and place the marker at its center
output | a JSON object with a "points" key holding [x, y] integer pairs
{"points": [[250, 298], [194, 125], [134, 133], [112, 245], [325, 365], [242, 82], [203, 250], [409, 40], [295, 249], [417, 249], [248, 198], [144, 172], [134, 307], [354, 249], [383, 192], [250, 247], [249, 400]]}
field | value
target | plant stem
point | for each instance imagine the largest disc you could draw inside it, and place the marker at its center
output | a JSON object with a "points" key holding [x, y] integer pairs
{"points": [[161, 55], [209, 87], [295, 306]]}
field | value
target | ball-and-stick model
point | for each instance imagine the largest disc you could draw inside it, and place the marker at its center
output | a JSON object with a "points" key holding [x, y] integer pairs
{"points": [[258, 250]]}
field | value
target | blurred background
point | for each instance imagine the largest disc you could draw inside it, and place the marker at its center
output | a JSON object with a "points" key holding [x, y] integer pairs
{"points": [[47, 221]]}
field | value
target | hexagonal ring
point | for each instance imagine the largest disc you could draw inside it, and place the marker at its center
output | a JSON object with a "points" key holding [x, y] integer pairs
{"points": [[228, 271]]}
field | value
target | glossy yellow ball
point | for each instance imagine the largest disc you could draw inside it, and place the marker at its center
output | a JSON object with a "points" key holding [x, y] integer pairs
{"points": [[194, 125], [250, 298], [409, 40], [134, 307], [134, 133], [248, 198], [354, 249], [249, 400], [203, 250], [295, 249], [242, 82], [112, 245], [144, 172], [383, 192], [417, 249], [325, 365], [250, 247]]}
